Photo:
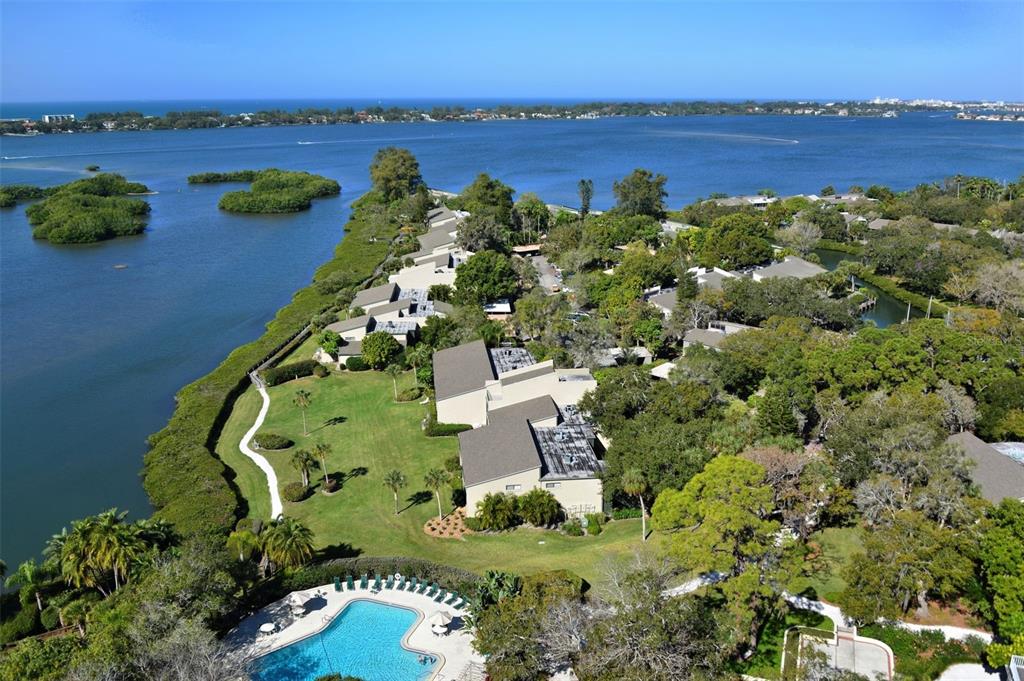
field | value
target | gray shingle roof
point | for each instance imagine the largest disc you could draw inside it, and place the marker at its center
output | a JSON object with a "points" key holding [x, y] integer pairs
{"points": [[462, 369], [996, 475], [350, 324], [705, 337], [534, 372], [791, 267], [665, 299], [505, 446], [435, 238], [377, 294]]}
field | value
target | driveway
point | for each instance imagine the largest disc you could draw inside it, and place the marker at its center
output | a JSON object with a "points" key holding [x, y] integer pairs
{"points": [[550, 279]]}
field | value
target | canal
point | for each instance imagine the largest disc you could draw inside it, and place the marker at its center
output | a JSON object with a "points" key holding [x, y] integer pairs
{"points": [[888, 310]]}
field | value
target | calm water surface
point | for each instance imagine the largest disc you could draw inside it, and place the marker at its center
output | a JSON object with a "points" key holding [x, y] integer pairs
{"points": [[91, 356]]}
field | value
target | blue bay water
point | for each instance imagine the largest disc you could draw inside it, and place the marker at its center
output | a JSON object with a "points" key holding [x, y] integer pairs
{"points": [[91, 356]]}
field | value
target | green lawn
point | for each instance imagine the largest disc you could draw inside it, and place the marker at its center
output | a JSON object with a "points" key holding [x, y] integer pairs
{"points": [[370, 434], [838, 544], [766, 662]]}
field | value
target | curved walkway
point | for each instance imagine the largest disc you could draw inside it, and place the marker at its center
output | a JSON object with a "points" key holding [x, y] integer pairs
{"points": [[276, 507]]}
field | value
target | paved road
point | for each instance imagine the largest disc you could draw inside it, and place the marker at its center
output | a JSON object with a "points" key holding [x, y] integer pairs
{"points": [[276, 507]]}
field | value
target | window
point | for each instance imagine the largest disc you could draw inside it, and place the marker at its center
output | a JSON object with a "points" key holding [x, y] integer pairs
{"points": [[552, 485], [513, 488]]}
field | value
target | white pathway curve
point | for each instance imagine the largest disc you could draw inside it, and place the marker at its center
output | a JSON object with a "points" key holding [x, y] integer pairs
{"points": [[276, 507]]}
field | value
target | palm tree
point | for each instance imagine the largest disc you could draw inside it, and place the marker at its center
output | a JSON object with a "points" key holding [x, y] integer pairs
{"points": [[75, 613], [418, 356], [321, 450], [436, 479], [394, 371], [287, 543], [243, 542], [303, 461], [395, 480], [302, 400], [31, 577], [634, 483]]}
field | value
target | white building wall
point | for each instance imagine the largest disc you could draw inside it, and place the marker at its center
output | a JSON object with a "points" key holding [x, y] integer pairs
{"points": [[468, 408], [577, 497], [526, 481]]}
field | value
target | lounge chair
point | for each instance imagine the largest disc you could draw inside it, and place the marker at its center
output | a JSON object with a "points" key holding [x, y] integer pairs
{"points": [[390, 583], [376, 582], [413, 583], [362, 581], [400, 585], [422, 588], [440, 596], [460, 604], [451, 599], [350, 583], [337, 583], [433, 590]]}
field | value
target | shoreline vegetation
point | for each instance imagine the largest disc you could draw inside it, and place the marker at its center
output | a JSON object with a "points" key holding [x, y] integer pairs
{"points": [[186, 481], [271, 191], [84, 211], [214, 118]]}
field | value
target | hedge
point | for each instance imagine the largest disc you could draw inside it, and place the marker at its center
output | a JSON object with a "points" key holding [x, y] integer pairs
{"points": [[842, 247], [435, 429], [187, 483], [356, 363], [272, 441], [294, 492], [289, 372], [625, 513], [319, 574]]}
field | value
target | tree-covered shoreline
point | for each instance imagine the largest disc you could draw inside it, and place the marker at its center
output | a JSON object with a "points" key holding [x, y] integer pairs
{"points": [[214, 118], [272, 190]]}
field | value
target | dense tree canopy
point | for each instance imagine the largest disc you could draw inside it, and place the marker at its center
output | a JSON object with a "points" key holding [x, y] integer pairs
{"points": [[395, 173], [641, 193]]}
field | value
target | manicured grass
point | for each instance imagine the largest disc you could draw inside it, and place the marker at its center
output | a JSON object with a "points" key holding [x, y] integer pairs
{"points": [[838, 544], [925, 655], [767, 659], [370, 434], [248, 477]]}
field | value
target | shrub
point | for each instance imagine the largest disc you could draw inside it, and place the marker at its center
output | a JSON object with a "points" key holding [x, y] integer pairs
{"points": [[295, 492], [288, 372], [410, 394], [539, 507], [330, 485], [320, 371], [594, 521], [498, 511], [435, 429], [573, 528], [50, 617], [356, 364], [271, 441], [626, 513], [566, 581], [21, 625], [472, 524]]}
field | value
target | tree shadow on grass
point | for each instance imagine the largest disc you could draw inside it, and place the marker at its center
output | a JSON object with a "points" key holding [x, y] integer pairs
{"points": [[340, 550], [333, 421], [417, 498], [356, 472]]}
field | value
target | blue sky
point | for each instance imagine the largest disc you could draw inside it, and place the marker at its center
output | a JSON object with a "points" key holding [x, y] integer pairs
{"points": [[85, 51]]}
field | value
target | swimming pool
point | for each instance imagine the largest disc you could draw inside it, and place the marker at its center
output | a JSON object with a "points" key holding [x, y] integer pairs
{"points": [[364, 640]]}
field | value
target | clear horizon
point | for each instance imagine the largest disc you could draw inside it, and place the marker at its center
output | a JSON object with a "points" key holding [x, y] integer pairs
{"points": [[223, 51]]}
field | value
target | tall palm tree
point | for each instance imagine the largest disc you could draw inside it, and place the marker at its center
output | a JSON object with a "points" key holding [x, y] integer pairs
{"points": [[287, 543], [244, 543], [321, 450], [436, 479], [634, 483], [75, 613], [54, 545], [31, 577], [394, 371], [78, 562], [419, 356], [395, 480], [155, 532], [303, 461], [302, 400], [126, 548]]}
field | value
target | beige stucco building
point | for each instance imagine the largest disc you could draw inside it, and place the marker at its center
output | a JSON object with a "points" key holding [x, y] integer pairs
{"points": [[470, 381], [533, 444]]}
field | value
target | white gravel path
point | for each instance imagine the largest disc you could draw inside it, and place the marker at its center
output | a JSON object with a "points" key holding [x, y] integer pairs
{"points": [[276, 507]]}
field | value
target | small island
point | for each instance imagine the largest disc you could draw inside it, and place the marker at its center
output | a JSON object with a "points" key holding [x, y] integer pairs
{"points": [[271, 190], [83, 211]]}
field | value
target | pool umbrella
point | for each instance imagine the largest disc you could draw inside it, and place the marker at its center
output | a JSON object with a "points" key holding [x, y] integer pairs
{"points": [[440, 619]]}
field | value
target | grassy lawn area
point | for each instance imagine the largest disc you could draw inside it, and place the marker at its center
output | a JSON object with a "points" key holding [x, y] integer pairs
{"points": [[767, 659], [837, 546], [370, 434]]}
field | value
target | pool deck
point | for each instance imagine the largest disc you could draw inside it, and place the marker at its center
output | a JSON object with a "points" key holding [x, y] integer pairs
{"points": [[454, 652]]}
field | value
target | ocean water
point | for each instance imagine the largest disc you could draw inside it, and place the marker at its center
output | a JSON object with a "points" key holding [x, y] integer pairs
{"points": [[91, 356], [364, 640]]}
